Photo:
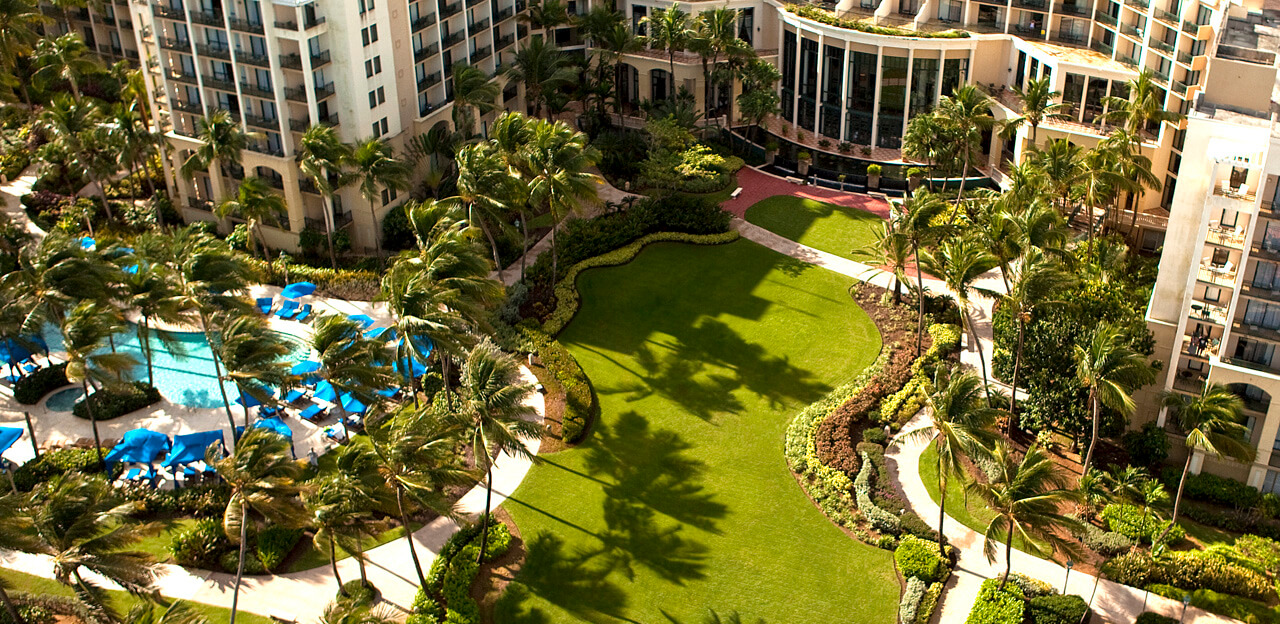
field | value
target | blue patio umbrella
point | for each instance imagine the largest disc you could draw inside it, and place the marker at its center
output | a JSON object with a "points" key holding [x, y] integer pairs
{"points": [[364, 320], [353, 405], [88, 244], [304, 367], [12, 351], [326, 392], [248, 400], [191, 447], [298, 289], [138, 445], [8, 436], [276, 425], [416, 367], [385, 333]]}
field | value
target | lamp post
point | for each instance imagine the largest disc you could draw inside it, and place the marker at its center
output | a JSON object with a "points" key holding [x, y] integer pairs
{"points": [[1070, 564], [1186, 600]]}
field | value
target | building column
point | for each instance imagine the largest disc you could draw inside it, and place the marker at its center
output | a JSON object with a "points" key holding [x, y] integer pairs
{"points": [[1257, 475], [817, 101], [795, 91], [875, 117], [844, 90], [906, 104]]}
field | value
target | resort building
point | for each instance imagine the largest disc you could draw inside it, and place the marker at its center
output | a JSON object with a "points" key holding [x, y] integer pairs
{"points": [[1215, 311]]}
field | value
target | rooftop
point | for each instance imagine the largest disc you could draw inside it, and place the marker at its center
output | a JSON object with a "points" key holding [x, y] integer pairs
{"points": [[1081, 56], [1253, 39]]}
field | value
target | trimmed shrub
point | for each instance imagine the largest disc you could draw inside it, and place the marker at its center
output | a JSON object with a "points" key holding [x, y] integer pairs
{"points": [[927, 604], [1148, 446], [358, 593], [343, 283], [1031, 587], [1211, 488], [30, 389], [207, 500], [994, 606], [30, 614], [55, 462], [581, 406], [1154, 618], [447, 596], [115, 401], [1263, 551], [1105, 543], [1130, 521], [882, 520], [874, 436], [274, 544], [909, 605], [1188, 570], [231, 558], [201, 545], [917, 558], [1068, 609]]}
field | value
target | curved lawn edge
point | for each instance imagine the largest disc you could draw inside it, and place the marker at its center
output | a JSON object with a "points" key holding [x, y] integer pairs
{"points": [[568, 299], [813, 222]]}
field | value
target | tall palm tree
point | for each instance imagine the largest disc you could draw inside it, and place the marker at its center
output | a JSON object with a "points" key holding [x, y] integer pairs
{"points": [[19, 21], [375, 166], [496, 415], [64, 58], [542, 68], [77, 128], [264, 484], [82, 523], [558, 161], [341, 506], [252, 357], [1111, 370], [473, 90], [486, 188], [137, 142], [1038, 104], [178, 612], [1143, 107], [152, 290], [1125, 150], [670, 30], [545, 15], [426, 320], [960, 422], [596, 24], [417, 461], [322, 156], [254, 202], [85, 330], [52, 278], [891, 250], [1063, 165], [916, 221], [959, 261], [349, 360], [713, 32], [1101, 181], [1035, 281], [18, 537], [1211, 421], [968, 112], [222, 141], [612, 45], [1026, 497]]}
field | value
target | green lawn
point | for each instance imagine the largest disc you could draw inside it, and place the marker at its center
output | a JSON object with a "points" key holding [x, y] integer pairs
{"points": [[680, 500], [975, 515], [828, 227], [721, 196], [121, 601]]}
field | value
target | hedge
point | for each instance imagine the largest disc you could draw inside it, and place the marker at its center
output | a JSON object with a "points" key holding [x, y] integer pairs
{"points": [[201, 545], [1211, 488], [1065, 609], [909, 605], [1135, 524], [342, 283], [274, 543], [1105, 543], [897, 408], [917, 558], [994, 606], [1154, 618], [55, 462], [30, 614], [31, 388], [580, 407], [207, 500], [567, 298], [1188, 570], [446, 598], [880, 519], [821, 16], [927, 604], [115, 401]]}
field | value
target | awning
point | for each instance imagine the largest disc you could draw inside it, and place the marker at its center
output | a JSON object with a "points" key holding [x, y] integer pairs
{"points": [[276, 425], [138, 445], [299, 289], [191, 447], [8, 436]]}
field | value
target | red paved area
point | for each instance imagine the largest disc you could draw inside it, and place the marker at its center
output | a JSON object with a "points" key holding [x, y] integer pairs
{"points": [[757, 186]]}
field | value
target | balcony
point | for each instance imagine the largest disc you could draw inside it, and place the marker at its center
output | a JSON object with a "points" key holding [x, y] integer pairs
{"points": [[296, 94], [1130, 30], [987, 27], [1160, 46], [1200, 346], [1069, 38], [481, 54], [426, 53], [219, 83], [207, 18], [180, 45], [1127, 60], [106, 50], [454, 38], [1208, 313], [202, 205], [423, 22], [257, 91], [313, 22], [1160, 77], [291, 61], [478, 26], [247, 57], [245, 26], [1190, 27], [109, 20], [1189, 381], [321, 59], [504, 14], [449, 10], [1251, 365], [325, 91], [1226, 237], [1141, 4], [1167, 17], [429, 81], [1224, 275], [1256, 331], [1270, 293], [263, 148], [1034, 5], [504, 41], [1105, 20], [287, 25], [265, 123], [1242, 193], [1075, 9], [474, 3], [187, 107], [219, 50], [181, 76], [299, 125]]}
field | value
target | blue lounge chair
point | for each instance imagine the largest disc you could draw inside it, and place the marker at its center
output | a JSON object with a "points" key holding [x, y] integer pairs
{"points": [[313, 413], [287, 309], [264, 304], [390, 393], [294, 395], [303, 313]]}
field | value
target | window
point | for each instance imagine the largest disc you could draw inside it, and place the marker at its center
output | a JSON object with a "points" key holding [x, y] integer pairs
{"points": [[1212, 293], [373, 67], [746, 24], [385, 128], [388, 195], [893, 92], [1259, 314], [376, 97], [638, 13], [376, 134], [369, 34], [365, 6], [1264, 276]]}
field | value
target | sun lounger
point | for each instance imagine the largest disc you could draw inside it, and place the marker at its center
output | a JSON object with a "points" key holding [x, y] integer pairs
{"points": [[314, 413], [264, 304], [390, 393], [303, 313], [287, 309], [294, 395]]}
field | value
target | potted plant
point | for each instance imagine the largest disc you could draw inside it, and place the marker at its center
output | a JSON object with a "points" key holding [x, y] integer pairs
{"points": [[802, 163], [845, 147], [840, 179], [914, 176], [873, 175], [866, 150], [786, 130], [824, 144], [801, 136], [770, 151]]}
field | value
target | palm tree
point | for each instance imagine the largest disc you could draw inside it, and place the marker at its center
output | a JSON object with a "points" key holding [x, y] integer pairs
{"points": [[759, 98], [81, 523], [52, 278], [558, 161], [152, 291], [349, 360], [417, 460], [545, 15], [17, 537], [252, 357], [916, 222], [542, 68], [263, 480], [341, 507], [486, 187], [77, 128], [137, 142], [891, 250], [254, 202], [968, 111], [1101, 181], [322, 154], [669, 29], [1034, 282], [1144, 106], [472, 90], [426, 319], [713, 30], [960, 422], [1063, 165], [959, 261], [1038, 104], [1111, 370], [19, 21], [1025, 496], [1211, 421], [611, 45], [375, 167], [1125, 149], [85, 330], [222, 141], [597, 24], [64, 58], [178, 612], [496, 415]]}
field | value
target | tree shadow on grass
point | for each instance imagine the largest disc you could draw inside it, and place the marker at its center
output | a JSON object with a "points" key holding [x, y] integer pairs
{"points": [[574, 581]]}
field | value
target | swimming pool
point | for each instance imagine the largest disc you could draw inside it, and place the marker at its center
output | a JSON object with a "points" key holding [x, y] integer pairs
{"points": [[186, 376], [63, 400]]}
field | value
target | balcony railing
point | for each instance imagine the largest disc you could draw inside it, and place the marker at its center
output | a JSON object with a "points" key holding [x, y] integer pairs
{"points": [[1167, 17], [1226, 237], [257, 91], [1035, 5], [313, 22], [1218, 275], [504, 14], [245, 25], [299, 125], [200, 204], [454, 38], [473, 3], [219, 83], [187, 107], [1068, 37], [287, 25], [449, 10], [272, 123], [426, 53], [1242, 193], [1142, 4], [263, 148], [168, 12], [1075, 9], [291, 61], [260, 60], [504, 41], [1189, 382], [169, 43], [429, 81], [1127, 60], [215, 50], [207, 18], [181, 76], [1191, 27], [481, 54], [1209, 312], [424, 21], [1161, 46], [1104, 19], [324, 91], [1200, 346], [1131, 30], [480, 25], [296, 94], [321, 59]]}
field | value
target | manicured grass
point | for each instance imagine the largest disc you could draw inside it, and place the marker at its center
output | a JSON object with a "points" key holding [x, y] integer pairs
{"points": [[680, 500], [975, 515], [1206, 535], [120, 601], [721, 196], [828, 227]]}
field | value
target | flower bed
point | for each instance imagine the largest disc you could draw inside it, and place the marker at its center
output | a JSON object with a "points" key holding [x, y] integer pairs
{"points": [[115, 401], [581, 407], [447, 596], [31, 388]]}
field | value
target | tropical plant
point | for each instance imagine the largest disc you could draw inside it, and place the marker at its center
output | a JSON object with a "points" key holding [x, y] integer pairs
{"points": [[152, 290], [17, 536], [473, 90], [263, 479], [177, 612], [1211, 422], [612, 45], [968, 114], [1035, 281], [916, 221], [375, 167], [556, 164], [321, 157], [64, 58], [1025, 496], [670, 30], [542, 68], [759, 98], [85, 330], [341, 506], [1038, 104], [545, 15], [1111, 370], [1062, 163], [76, 127], [348, 359], [19, 24], [892, 251], [714, 31], [254, 202], [486, 188], [959, 261], [222, 141], [425, 319], [252, 357], [1143, 107]]}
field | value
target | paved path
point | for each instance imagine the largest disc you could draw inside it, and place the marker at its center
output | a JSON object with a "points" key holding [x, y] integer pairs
{"points": [[11, 193], [757, 185], [1112, 602], [303, 595]]}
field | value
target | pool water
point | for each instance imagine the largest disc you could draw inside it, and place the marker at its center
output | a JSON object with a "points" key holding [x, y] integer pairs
{"points": [[186, 376], [63, 400]]}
